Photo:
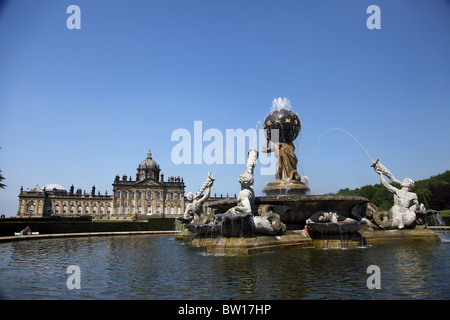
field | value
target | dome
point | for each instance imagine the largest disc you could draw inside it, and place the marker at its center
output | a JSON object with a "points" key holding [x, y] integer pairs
{"points": [[149, 162], [52, 186]]}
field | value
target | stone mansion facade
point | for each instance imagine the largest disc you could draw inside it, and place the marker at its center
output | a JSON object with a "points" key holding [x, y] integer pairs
{"points": [[146, 196]]}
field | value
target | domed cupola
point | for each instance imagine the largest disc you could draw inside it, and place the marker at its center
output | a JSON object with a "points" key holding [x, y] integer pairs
{"points": [[148, 169], [53, 187]]}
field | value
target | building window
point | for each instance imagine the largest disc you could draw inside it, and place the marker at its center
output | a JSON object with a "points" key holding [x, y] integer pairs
{"points": [[139, 210], [178, 210], [132, 195], [171, 210], [79, 210], [132, 210], [125, 209], [118, 194], [86, 210], [71, 209], [158, 210], [158, 195], [139, 195], [171, 196], [101, 209], [165, 210], [64, 209], [118, 210], [94, 209], [57, 209], [125, 195], [149, 195], [149, 210], [108, 210]]}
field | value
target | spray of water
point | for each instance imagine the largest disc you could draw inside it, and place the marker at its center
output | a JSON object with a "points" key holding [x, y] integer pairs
{"points": [[281, 103], [349, 134], [440, 227]]}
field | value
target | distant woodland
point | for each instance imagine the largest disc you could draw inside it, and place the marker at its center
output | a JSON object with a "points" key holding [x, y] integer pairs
{"points": [[433, 192]]}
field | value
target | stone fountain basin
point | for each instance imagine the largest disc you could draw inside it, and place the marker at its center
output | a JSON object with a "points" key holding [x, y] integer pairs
{"points": [[227, 225], [335, 227], [296, 209], [202, 228]]}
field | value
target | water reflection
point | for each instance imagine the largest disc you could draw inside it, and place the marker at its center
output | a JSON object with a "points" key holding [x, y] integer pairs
{"points": [[157, 267]]}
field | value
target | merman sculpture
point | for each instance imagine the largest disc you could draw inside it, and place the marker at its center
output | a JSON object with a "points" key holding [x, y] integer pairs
{"points": [[194, 212], [402, 214], [246, 197]]}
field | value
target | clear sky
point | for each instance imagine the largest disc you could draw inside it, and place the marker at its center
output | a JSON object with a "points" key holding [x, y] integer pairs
{"points": [[80, 106]]}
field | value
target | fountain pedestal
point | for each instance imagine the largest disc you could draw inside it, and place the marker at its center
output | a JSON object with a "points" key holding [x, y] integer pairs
{"points": [[287, 188], [253, 245]]}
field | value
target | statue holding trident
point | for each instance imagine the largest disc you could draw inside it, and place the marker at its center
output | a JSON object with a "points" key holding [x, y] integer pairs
{"points": [[194, 210], [402, 214]]}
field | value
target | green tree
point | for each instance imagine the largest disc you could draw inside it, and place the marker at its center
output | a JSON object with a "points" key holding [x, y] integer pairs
{"points": [[424, 195]]}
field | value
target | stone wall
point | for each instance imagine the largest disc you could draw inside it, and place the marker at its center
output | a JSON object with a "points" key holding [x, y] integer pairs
{"points": [[73, 225]]}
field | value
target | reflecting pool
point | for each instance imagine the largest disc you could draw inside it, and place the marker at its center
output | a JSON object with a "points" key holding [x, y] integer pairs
{"points": [[157, 267]]}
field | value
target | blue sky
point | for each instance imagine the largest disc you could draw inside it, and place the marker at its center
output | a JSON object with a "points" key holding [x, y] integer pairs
{"points": [[80, 106]]}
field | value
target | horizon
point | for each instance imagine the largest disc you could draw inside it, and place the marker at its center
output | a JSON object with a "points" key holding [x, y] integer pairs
{"points": [[79, 106]]}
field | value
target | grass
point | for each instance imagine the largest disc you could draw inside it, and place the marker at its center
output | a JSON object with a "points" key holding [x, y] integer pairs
{"points": [[445, 213]]}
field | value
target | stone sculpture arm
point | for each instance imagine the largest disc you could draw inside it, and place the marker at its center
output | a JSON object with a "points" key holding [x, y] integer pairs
{"points": [[267, 148], [381, 169], [251, 160], [207, 184], [415, 205], [387, 185], [188, 212], [205, 196]]}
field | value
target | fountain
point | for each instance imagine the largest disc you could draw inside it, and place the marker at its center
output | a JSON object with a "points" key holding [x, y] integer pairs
{"points": [[288, 194], [287, 215]]}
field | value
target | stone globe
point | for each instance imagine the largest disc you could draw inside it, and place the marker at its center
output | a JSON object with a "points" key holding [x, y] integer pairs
{"points": [[287, 123]]}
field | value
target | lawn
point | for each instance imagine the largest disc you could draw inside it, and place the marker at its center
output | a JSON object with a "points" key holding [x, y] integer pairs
{"points": [[445, 213]]}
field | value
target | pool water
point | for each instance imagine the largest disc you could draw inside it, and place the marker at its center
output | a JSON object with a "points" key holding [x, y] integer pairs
{"points": [[157, 267]]}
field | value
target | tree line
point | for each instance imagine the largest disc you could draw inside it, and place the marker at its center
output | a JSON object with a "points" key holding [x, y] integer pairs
{"points": [[433, 192]]}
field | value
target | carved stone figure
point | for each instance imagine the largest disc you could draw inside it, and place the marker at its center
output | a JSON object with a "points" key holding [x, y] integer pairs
{"points": [[246, 197], [287, 160], [323, 217], [402, 214], [194, 210], [282, 126], [269, 222]]}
